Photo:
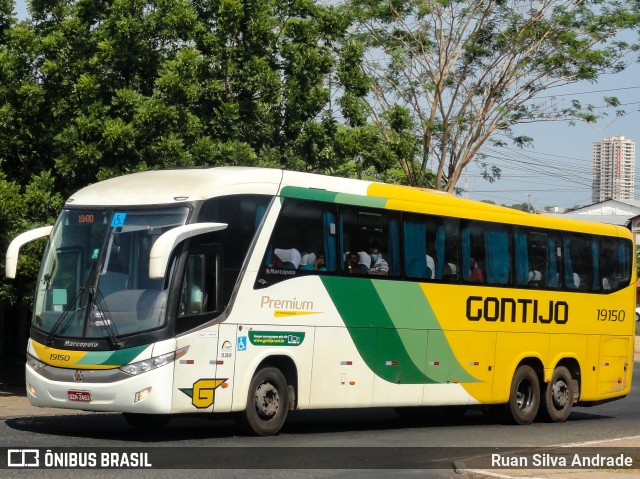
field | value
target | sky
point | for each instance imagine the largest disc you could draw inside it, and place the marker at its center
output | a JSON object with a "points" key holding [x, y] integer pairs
{"points": [[556, 170]]}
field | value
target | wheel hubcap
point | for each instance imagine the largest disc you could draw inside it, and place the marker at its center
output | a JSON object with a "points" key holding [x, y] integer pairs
{"points": [[524, 395], [267, 400], [560, 394]]}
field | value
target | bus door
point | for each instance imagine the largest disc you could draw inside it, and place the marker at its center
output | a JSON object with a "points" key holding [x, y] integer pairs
{"points": [[196, 378]]}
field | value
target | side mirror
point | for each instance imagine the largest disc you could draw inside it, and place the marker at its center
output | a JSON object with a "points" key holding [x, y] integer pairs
{"points": [[162, 248], [11, 261]]}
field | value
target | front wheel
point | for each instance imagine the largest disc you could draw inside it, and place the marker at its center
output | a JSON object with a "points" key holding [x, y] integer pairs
{"points": [[267, 403], [559, 395], [524, 396]]}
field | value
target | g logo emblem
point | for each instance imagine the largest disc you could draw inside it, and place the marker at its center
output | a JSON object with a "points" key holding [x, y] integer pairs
{"points": [[203, 392]]}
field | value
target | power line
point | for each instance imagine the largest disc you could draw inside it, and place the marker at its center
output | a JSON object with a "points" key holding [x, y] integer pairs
{"points": [[592, 91]]}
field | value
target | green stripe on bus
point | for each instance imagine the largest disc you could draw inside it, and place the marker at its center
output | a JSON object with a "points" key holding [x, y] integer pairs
{"points": [[391, 324], [308, 194], [411, 313], [114, 358], [373, 332], [332, 197]]}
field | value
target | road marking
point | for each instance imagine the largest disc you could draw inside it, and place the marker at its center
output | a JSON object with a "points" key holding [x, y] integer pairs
{"points": [[588, 443]]}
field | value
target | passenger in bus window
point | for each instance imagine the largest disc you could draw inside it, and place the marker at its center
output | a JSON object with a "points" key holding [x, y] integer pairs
{"points": [[312, 262], [431, 267], [535, 276], [610, 279], [476, 273], [308, 261], [319, 264], [576, 281], [352, 266], [450, 272], [379, 265]]}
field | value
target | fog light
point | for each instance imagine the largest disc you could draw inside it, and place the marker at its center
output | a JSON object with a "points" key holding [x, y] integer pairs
{"points": [[142, 395], [31, 390]]}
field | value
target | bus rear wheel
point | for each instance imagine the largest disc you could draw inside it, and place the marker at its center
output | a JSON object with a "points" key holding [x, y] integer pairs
{"points": [[267, 403], [524, 396], [559, 395]]}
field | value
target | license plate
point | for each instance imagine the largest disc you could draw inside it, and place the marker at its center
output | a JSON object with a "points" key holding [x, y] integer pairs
{"points": [[81, 396]]}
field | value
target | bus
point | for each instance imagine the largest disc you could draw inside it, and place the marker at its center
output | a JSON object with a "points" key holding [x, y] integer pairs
{"points": [[261, 291]]}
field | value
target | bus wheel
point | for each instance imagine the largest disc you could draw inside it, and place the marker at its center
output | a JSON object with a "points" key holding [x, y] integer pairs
{"points": [[267, 403], [147, 422], [558, 396], [524, 398]]}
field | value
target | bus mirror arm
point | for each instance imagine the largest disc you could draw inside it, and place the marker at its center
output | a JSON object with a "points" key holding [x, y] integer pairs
{"points": [[11, 260], [164, 245]]}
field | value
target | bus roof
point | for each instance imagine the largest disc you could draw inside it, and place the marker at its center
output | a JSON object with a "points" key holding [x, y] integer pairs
{"points": [[163, 187]]}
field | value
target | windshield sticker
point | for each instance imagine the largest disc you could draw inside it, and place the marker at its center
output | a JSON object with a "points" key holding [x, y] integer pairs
{"points": [[271, 338], [118, 220]]}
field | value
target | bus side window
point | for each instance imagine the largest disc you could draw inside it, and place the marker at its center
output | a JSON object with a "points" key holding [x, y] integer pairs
{"points": [[192, 295], [416, 255], [430, 247], [531, 251], [615, 269], [581, 263], [303, 242], [374, 232], [201, 285], [486, 253]]}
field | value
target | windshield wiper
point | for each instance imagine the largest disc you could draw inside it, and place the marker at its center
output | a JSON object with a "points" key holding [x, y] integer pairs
{"points": [[105, 317], [65, 317]]}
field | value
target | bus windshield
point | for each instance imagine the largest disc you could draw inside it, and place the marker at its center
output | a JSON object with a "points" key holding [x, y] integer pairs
{"points": [[94, 281]]}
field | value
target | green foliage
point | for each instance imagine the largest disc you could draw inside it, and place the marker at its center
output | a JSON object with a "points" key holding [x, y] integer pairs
{"points": [[91, 89], [526, 207], [22, 209], [104, 88]]}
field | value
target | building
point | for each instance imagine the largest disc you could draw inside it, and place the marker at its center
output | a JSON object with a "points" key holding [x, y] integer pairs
{"points": [[613, 169]]}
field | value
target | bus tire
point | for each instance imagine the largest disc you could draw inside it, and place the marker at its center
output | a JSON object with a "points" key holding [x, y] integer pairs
{"points": [[558, 396], [524, 396], [146, 422], [267, 403]]}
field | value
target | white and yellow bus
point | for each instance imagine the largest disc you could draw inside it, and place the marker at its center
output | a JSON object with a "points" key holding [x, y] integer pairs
{"points": [[260, 291]]}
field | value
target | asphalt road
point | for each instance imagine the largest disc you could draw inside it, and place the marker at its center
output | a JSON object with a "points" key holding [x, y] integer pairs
{"points": [[354, 433]]}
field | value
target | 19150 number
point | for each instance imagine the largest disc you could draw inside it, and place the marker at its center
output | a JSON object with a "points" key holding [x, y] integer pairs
{"points": [[610, 315]]}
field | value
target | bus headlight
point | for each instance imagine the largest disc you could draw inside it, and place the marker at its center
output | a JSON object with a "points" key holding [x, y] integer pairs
{"points": [[35, 363], [153, 363]]}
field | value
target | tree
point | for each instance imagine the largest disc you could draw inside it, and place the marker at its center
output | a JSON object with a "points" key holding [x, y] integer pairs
{"points": [[131, 85], [94, 89], [22, 209], [451, 75], [526, 207]]}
